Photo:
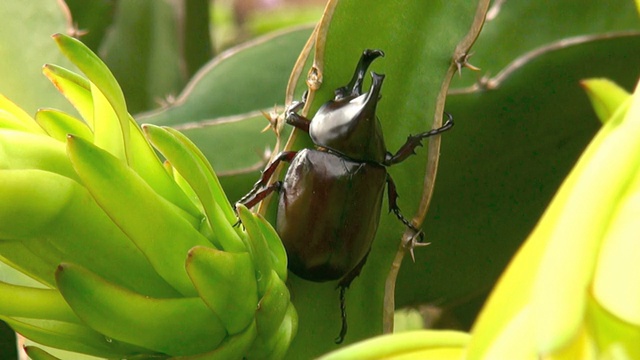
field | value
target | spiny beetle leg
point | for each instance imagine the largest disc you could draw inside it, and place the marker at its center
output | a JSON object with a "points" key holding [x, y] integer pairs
{"points": [[292, 117], [393, 207], [298, 121], [249, 199], [414, 141], [343, 285], [354, 88], [260, 195]]}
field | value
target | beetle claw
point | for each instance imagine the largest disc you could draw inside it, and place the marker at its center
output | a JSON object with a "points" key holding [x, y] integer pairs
{"points": [[413, 243]]}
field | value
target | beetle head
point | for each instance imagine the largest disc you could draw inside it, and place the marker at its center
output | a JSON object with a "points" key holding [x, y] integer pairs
{"points": [[348, 124]]}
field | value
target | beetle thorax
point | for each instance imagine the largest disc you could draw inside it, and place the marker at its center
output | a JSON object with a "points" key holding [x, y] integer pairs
{"points": [[349, 126]]}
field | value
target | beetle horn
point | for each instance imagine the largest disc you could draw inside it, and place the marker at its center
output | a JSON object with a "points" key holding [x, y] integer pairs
{"points": [[374, 93], [354, 87]]}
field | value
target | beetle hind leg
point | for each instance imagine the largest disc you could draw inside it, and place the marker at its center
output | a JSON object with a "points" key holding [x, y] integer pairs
{"points": [[343, 285]]}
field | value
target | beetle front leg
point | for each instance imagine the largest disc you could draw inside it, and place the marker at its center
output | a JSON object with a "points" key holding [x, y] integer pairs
{"points": [[414, 141], [260, 195], [292, 117], [251, 198]]}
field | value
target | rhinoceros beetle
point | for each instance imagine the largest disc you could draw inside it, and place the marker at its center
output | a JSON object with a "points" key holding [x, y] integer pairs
{"points": [[347, 170]]}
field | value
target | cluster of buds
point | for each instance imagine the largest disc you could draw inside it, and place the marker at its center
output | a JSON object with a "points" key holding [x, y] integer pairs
{"points": [[125, 255]]}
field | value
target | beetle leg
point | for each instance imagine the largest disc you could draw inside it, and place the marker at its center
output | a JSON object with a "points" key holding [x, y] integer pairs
{"points": [[292, 117], [343, 285], [414, 141], [260, 195], [249, 200], [298, 121], [393, 207]]}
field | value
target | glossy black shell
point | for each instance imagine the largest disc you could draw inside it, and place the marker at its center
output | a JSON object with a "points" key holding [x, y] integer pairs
{"points": [[349, 125], [328, 213]]}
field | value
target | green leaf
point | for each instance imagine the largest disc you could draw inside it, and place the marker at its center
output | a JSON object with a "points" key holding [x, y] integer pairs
{"points": [[174, 326], [500, 166], [71, 337], [227, 284], [614, 336], [219, 109], [127, 200], [425, 344], [36, 353], [22, 150], [24, 34], [258, 249], [74, 87], [153, 46], [518, 29], [98, 73], [14, 117], [58, 124], [192, 165], [605, 95], [48, 227], [29, 302], [250, 77]]}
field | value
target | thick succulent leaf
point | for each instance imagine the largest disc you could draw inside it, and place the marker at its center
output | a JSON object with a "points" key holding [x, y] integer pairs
{"points": [[273, 306], [14, 117], [421, 344], [190, 163], [257, 247], [538, 287], [99, 114], [518, 28], [109, 131], [164, 235], [619, 253], [35, 353], [219, 108], [146, 163], [605, 95], [233, 347], [176, 326], [21, 150], [58, 124], [276, 248], [227, 284], [28, 302], [20, 271], [71, 337], [615, 337], [107, 91], [25, 32], [237, 149], [246, 78], [275, 347], [153, 46], [500, 166], [74, 87], [71, 227]]}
